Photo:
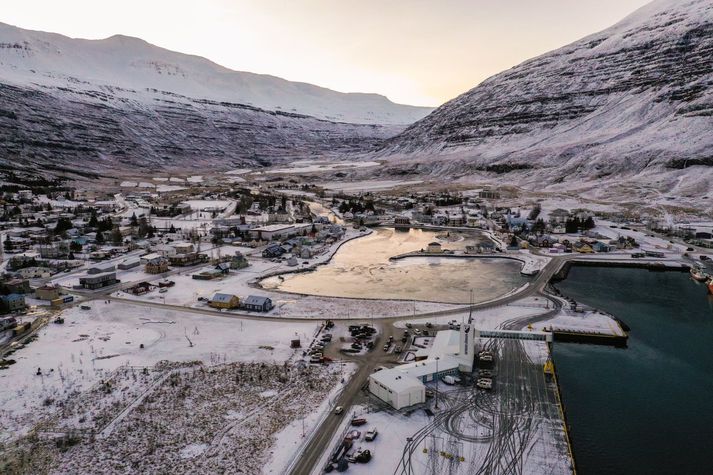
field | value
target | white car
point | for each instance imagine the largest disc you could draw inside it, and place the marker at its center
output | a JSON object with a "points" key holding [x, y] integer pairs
{"points": [[338, 410], [371, 434]]}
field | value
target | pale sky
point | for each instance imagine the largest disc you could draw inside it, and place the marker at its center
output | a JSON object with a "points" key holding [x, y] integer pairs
{"points": [[413, 51]]}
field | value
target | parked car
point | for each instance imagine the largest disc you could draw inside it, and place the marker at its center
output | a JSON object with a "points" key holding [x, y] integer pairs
{"points": [[397, 350], [484, 383], [451, 380], [371, 434], [358, 421], [354, 435]]}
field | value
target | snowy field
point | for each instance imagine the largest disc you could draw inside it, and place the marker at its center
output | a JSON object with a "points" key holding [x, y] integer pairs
{"points": [[312, 166], [92, 343], [199, 205], [235, 395], [366, 185], [169, 188], [498, 317]]}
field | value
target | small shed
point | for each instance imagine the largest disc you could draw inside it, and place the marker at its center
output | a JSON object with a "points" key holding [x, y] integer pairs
{"points": [[434, 248]]}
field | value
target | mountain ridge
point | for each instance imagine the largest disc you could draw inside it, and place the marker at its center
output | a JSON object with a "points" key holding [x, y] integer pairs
{"points": [[133, 63]]}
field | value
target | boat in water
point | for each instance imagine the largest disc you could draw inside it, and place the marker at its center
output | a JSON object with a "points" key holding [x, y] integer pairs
{"points": [[698, 274]]}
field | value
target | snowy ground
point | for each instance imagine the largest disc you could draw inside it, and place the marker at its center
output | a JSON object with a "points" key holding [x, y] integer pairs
{"points": [[590, 321], [532, 263], [393, 428], [472, 431], [497, 317], [94, 342], [96, 378], [366, 185], [311, 166]]}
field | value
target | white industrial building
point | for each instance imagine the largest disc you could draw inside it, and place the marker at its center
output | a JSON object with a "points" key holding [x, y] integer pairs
{"points": [[452, 352], [272, 232]]}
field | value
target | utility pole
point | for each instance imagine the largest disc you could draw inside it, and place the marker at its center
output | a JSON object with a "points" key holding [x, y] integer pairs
{"points": [[437, 377]]}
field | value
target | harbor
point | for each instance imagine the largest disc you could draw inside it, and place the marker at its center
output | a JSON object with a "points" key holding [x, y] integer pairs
{"points": [[663, 377]]}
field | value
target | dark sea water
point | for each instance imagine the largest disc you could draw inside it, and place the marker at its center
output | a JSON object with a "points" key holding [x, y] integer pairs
{"points": [[646, 409]]}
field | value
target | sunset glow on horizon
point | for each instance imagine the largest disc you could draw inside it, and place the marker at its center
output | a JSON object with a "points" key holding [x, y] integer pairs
{"points": [[412, 51]]}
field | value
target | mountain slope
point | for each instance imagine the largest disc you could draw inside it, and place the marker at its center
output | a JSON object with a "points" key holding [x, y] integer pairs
{"points": [[630, 99], [130, 63], [96, 107], [52, 130]]}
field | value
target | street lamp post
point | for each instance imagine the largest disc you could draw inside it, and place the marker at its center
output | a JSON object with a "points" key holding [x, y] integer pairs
{"points": [[437, 375]]}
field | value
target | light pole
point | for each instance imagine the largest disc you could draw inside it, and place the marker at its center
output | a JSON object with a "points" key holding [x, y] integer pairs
{"points": [[437, 376]]}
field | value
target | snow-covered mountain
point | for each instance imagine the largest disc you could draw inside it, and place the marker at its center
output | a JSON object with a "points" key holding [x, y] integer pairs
{"points": [[130, 63], [633, 100], [121, 103]]}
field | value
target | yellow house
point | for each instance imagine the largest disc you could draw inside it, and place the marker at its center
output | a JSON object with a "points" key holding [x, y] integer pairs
{"points": [[584, 248], [224, 301]]}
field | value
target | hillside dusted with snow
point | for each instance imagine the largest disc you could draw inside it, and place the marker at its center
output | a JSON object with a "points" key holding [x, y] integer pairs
{"points": [[108, 130], [633, 99], [94, 107], [48, 59]]}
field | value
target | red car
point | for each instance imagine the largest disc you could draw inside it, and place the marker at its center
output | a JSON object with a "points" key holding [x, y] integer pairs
{"points": [[360, 421]]}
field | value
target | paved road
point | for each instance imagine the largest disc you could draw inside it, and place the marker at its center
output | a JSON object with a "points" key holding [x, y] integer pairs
{"points": [[324, 434]]}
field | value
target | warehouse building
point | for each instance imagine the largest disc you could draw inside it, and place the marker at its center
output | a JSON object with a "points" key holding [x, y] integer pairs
{"points": [[98, 281], [452, 352]]}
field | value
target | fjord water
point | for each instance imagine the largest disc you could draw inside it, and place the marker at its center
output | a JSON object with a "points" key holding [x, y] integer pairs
{"points": [[648, 408]]}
